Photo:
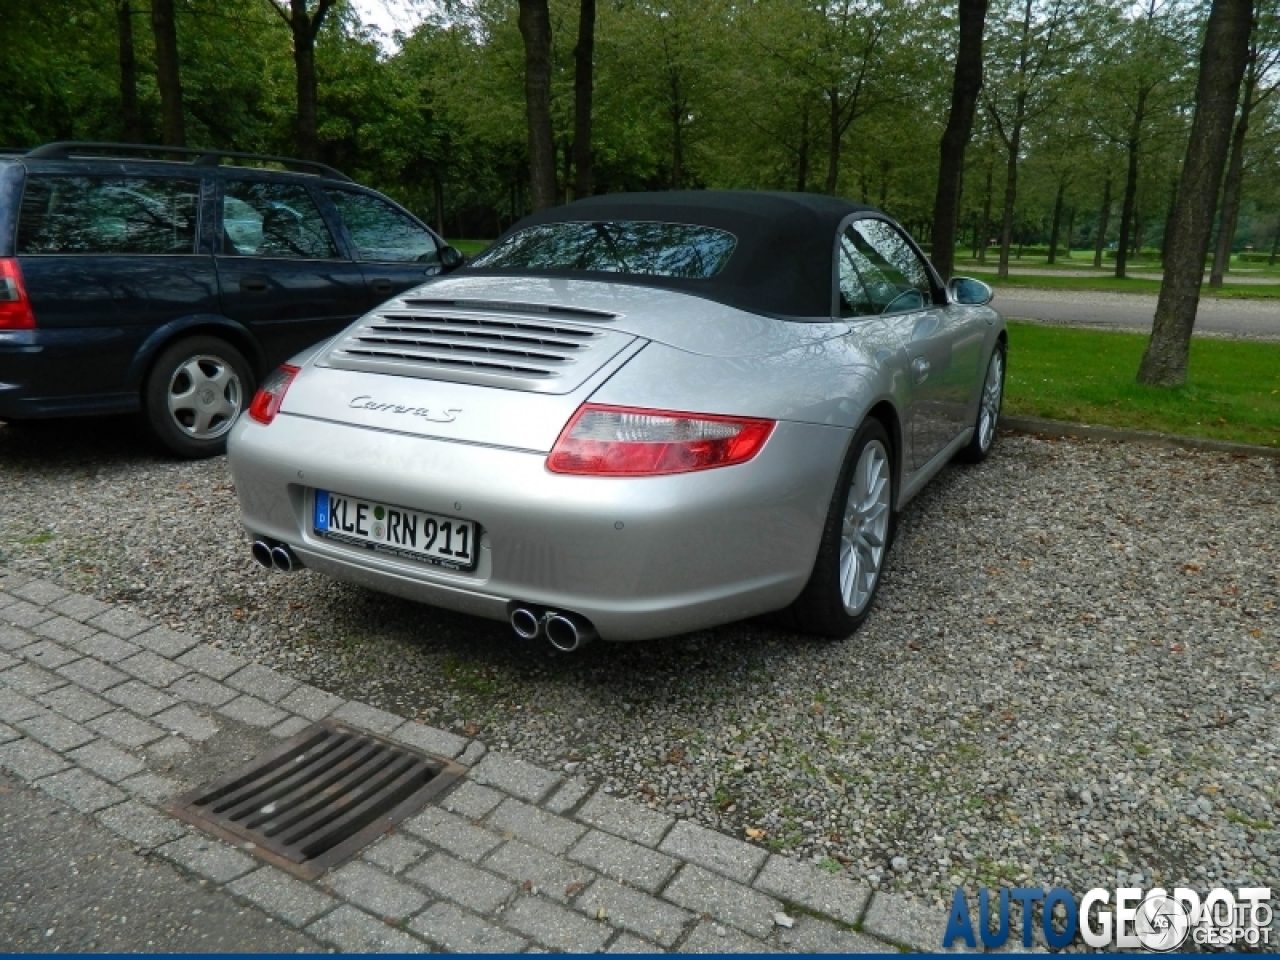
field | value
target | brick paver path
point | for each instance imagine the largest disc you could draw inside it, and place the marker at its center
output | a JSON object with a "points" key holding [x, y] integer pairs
{"points": [[98, 704]]}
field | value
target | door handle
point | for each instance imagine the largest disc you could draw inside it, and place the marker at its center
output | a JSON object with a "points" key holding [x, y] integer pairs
{"points": [[380, 285], [919, 370], [253, 284]]}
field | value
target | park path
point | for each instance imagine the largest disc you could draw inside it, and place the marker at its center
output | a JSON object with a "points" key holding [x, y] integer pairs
{"points": [[1244, 275], [1258, 319]]}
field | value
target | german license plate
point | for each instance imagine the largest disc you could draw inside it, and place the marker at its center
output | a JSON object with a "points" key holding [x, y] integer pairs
{"points": [[444, 541]]}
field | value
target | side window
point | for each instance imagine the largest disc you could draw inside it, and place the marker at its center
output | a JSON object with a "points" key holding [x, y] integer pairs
{"points": [[96, 215], [381, 232], [895, 277], [855, 301], [273, 220]]}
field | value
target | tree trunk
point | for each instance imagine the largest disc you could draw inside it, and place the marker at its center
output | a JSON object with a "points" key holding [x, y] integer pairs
{"points": [[1057, 221], [437, 190], [1013, 142], [802, 161], [1275, 247], [1168, 221], [304, 27], [1104, 219], [1130, 183], [964, 100], [1010, 197], [1071, 229], [163, 25], [307, 141], [833, 147], [583, 59], [130, 118], [568, 172], [535, 28], [1222, 65], [677, 130], [1231, 189], [986, 217]]}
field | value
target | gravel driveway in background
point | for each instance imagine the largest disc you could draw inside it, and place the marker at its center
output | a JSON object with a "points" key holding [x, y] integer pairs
{"points": [[1072, 676]]}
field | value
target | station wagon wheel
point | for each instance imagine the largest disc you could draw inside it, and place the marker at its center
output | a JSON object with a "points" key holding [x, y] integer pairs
{"points": [[855, 540], [196, 390], [984, 429]]}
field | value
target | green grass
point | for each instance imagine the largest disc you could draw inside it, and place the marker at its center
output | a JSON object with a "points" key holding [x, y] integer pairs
{"points": [[1089, 376], [1103, 282], [469, 247]]}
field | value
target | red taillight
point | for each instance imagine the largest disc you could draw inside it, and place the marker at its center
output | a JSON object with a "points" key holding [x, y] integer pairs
{"points": [[266, 402], [15, 307], [629, 442]]}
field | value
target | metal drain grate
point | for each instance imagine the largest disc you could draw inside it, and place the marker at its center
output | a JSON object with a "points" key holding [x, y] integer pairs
{"points": [[317, 798]]}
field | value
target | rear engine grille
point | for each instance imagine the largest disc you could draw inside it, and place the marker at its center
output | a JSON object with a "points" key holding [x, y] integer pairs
{"points": [[500, 350], [317, 798], [529, 349]]}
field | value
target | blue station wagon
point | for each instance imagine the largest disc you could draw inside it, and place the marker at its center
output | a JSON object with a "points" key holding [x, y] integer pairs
{"points": [[171, 286]]}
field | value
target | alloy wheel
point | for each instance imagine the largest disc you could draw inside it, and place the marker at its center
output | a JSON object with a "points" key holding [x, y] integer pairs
{"points": [[991, 394], [865, 531], [205, 396]]}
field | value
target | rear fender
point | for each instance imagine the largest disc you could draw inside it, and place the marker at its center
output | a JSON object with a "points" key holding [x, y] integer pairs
{"points": [[202, 323]]}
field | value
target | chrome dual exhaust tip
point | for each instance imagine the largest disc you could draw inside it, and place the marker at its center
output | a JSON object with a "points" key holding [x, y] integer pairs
{"points": [[565, 632], [568, 632], [261, 551], [525, 623], [274, 556]]}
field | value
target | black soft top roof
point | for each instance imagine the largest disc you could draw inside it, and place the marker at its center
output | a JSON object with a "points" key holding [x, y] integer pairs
{"points": [[782, 265]]}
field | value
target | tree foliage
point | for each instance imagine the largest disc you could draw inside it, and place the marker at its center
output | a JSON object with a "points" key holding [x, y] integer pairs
{"points": [[843, 96]]}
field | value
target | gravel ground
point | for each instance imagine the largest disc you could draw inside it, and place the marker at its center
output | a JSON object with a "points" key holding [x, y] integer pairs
{"points": [[1072, 675]]}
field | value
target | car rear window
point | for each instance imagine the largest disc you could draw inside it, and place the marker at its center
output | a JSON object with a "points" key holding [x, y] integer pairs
{"points": [[629, 246], [86, 215]]}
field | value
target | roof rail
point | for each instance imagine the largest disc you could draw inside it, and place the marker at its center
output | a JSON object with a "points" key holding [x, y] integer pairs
{"points": [[63, 149]]}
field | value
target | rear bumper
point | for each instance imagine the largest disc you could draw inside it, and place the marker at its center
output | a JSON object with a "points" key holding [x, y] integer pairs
{"points": [[640, 558], [41, 374]]}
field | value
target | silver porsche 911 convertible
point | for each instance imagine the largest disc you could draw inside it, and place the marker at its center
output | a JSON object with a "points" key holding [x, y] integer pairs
{"points": [[632, 416]]}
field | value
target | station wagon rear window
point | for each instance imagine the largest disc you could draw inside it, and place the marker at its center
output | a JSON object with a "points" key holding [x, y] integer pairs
{"points": [[96, 215], [638, 247]]}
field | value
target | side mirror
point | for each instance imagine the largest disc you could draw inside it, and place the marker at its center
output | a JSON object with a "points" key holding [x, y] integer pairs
{"points": [[451, 258], [970, 292]]}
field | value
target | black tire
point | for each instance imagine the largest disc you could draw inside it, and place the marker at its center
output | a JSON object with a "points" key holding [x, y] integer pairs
{"points": [[821, 608], [216, 380], [984, 439]]}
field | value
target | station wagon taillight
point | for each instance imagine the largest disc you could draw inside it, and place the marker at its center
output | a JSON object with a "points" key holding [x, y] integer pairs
{"points": [[611, 441], [266, 402], [15, 307]]}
